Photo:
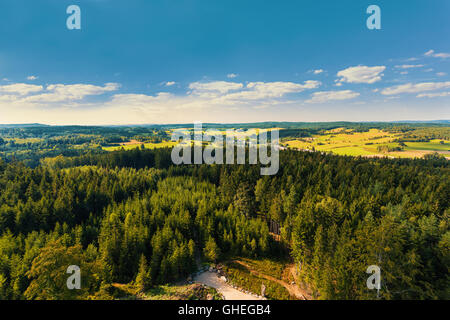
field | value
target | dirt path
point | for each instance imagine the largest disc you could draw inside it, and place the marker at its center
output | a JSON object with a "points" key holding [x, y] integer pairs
{"points": [[212, 280], [293, 289], [292, 269]]}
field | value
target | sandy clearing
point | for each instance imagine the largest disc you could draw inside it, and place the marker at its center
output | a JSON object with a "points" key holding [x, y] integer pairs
{"points": [[212, 280]]}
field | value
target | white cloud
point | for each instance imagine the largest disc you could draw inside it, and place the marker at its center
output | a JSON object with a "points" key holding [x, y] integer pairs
{"points": [[158, 103], [20, 88], [433, 95], [232, 75], [78, 91], [211, 96], [249, 102], [199, 96], [361, 74], [441, 74], [31, 78], [64, 104], [223, 91], [215, 96], [214, 88], [325, 96], [433, 54], [61, 92], [170, 83], [409, 66], [318, 71], [415, 88], [264, 90]]}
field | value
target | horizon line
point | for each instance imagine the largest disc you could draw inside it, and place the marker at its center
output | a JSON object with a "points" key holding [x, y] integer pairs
{"points": [[442, 121]]}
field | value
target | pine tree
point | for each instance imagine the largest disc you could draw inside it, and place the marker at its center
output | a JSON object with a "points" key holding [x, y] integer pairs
{"points": [[211, 250], [143, 279]]}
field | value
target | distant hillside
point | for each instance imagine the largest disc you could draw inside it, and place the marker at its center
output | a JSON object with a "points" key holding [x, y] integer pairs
{"points": [[296, 125], [24, 125], [431, 121], [262, 125]]}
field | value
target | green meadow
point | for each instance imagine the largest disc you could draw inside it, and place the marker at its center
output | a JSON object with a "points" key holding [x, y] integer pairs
{"points": [[373, 143], [148, 145]]}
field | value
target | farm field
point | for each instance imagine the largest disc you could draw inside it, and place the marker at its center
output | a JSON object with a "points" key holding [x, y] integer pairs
{"points": [[132, 144], [340, 141], [148, 145], [373, 143]]}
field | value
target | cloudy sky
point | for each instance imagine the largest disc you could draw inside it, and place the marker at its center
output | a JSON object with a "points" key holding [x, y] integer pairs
{"points": [[180, 61]]}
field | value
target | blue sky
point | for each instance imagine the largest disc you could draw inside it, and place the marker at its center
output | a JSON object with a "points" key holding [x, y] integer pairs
{"points": [[162, 61]]}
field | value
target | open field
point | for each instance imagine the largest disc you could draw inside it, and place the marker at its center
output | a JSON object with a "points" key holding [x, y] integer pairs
{"points": [[132, 144], [340, 141], [136, 144], [373, 143]]}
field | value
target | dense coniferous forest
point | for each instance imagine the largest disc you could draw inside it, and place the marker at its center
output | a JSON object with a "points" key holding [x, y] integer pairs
{"points": [[131, 216]]}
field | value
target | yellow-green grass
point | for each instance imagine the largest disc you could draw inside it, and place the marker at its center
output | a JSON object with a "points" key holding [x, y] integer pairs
{"points": [[346, 142], [338, 141], [433, 145], [181, 292], [240, 276], [148, 145], [271, 267], [134, 144], [165, 292], [354, 151]]}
